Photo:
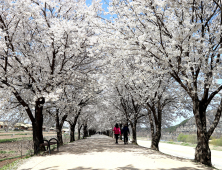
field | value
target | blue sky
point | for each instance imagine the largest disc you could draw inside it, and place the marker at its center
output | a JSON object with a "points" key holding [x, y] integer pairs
{"points": [[104, 2]]}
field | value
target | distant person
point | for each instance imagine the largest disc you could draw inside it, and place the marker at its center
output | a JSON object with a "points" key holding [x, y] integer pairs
{"points": [[125, 132], [117, 132]]}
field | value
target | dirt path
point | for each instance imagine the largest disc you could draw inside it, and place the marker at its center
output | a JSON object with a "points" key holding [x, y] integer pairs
{"points": [[101, 153]]}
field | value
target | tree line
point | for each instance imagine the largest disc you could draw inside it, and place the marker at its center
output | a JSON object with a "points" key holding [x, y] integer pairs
{"points": [[145, 62]]}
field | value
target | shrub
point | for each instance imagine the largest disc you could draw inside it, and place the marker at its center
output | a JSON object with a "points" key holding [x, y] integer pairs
{"points": [[191, 139], [217, 142], [182, 137], [187, 138]]}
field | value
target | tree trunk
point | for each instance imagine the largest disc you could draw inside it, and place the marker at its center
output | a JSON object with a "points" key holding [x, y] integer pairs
{"points": [[59, 132], [37, 124], [85, 131], [72, 133], [59, 136], [58, 129], [202, 151], [156, 139], [79, 130], [155, 134], [134, 140], [59, 126]]}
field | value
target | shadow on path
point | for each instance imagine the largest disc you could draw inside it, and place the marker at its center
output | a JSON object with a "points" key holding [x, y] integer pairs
{"points": [[101, 153], [107, 144]]}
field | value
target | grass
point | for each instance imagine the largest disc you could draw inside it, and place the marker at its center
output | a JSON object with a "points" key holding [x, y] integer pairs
{"points": [[4, 152], [23, 134], [14, 139], [8, 140], [13, 164], [15, 134], [9, 158], [170, 142], [188, 144], [5, 134]]}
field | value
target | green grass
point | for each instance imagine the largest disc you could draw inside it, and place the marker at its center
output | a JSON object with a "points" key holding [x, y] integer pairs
{"points": [[185, 144], [14, 139], [5, 134], [170, 142], [13, 164], [23, 134], [9, 158], [8, 140], [4, 152]]}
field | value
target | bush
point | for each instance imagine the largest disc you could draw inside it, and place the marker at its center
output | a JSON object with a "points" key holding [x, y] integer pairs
{"points": [[217, 142], [191, 139], [182, 137], [187, 138]]}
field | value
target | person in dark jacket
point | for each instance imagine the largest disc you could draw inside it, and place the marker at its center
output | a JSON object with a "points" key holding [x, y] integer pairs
{"points": [[125, 132]]}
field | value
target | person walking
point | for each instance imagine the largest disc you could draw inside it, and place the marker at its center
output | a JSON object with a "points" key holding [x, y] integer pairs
{"points": [[117, 132], [125, 132]]}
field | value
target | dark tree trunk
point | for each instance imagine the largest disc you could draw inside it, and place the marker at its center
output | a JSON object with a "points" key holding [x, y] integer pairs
{"points": [[155, 133], [85, 131], [202, 151], [73, 126], [79, 130], [133, 125], [37, 124], [59, 126], [72, 132], [156, 139], [59, 135]]}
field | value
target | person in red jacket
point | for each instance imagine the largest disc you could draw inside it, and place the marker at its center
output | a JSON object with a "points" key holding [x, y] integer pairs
{"points": [[117, 132]]}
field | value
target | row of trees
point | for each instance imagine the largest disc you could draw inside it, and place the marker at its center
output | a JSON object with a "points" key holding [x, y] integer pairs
{"points": [[48, 61], [151, 62], [167, 56]]}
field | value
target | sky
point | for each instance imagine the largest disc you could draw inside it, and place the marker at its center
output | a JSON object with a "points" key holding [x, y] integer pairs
{"points": [[105, 2]]}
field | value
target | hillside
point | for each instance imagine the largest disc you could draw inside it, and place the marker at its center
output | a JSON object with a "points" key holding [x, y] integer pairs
{"points": [[172, 129]]}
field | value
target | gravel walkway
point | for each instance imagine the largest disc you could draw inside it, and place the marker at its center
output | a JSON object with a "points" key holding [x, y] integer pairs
{"points": [[100, 152]]}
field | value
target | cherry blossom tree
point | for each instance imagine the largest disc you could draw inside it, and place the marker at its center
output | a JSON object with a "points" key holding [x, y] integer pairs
{"points": [[43, 45], [184, 37]]}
